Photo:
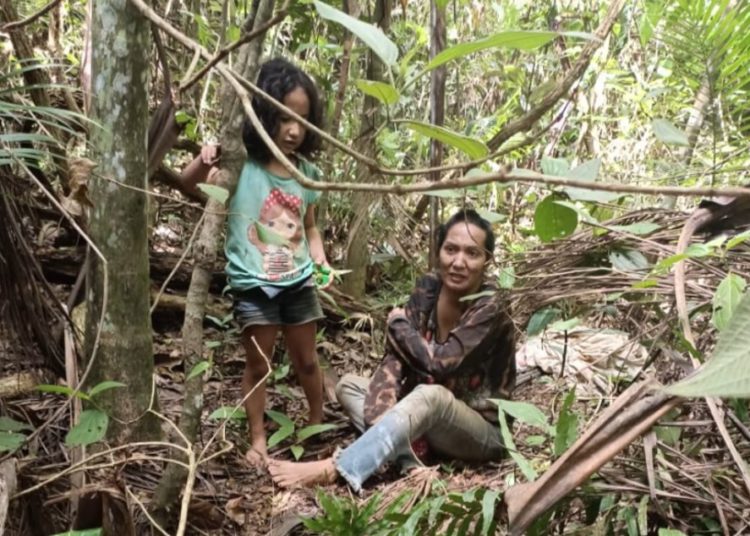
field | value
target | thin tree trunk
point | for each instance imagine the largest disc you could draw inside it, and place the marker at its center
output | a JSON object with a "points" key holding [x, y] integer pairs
{"points": [[351, 7], [437, 113], [357, 250], [205, 252], [118, 222]]}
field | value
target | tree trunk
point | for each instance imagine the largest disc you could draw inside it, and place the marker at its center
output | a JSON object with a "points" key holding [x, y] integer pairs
{"points": [[118, 222], [437, 114], [206, 247], [357, 250]]}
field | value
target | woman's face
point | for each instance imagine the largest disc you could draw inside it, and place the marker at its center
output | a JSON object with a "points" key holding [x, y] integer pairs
{"points": [[291, 133], [462, 258]]}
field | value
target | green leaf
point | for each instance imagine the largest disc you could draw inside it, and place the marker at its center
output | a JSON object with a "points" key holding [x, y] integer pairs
{"points": [[279, 418], [737, 240], [727, 373], [104, 386], [524, 412], [488, 509], [61, 390], [228, 412], [566, 429], [727, 297], [507, 277], [269, 236], [87, 532], [552, 221], [199, 369], [215, 192], [9, 425], [523, 463], [671, 532], [492, 217], [314, 429], [92, 427], [588, 171], [445, 194], [666, 132], [371, 35], [565, 325], [385, 93], [628, 260], [643, 515], [521, 40], [280, 435], [535, 440], [10, 441], [474, 149], [540, 320], [555, 166], [297, 451], [640, 228], [649, 21]]}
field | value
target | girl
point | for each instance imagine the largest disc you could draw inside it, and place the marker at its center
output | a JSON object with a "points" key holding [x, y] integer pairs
{"points": [[272, 244]]}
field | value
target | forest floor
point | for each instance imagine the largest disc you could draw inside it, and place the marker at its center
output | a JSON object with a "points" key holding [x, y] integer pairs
{"points": [[662, 481]]}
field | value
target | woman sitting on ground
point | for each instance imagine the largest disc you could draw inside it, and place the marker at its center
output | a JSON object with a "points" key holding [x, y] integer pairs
{"points": [[448, 352]]}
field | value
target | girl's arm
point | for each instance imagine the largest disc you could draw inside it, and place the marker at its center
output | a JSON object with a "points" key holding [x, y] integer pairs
{"points": [[201, 169], [313, 238]]}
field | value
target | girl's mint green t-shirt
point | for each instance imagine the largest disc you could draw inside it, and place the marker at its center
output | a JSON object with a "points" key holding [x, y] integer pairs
{"points": [[266, 241]]}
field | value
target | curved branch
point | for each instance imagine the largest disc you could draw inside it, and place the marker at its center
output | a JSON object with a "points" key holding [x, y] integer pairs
{"points": [[31, 18]]}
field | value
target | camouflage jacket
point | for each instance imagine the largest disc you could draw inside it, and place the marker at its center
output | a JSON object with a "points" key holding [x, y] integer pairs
{"points": [[476, 361]]}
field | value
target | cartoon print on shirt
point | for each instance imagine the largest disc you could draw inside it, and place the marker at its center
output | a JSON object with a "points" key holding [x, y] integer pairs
{"points": [[278, 233]]}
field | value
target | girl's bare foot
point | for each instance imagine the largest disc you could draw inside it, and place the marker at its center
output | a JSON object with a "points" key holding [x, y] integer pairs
{"points": [[257, 454], [302, 474]]}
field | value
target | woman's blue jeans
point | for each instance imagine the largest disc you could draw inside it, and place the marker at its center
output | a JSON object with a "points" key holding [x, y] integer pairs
{"points": [[451, 427]]}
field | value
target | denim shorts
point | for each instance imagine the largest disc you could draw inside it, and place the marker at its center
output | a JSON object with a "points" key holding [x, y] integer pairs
{"points": [[290, 307]]}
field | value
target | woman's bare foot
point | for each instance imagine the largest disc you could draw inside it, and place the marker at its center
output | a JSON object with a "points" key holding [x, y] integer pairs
{"points": [[302, 474], [257, 454]]}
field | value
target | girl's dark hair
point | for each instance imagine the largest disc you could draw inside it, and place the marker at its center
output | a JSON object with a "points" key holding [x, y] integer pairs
{"points": [[469, 215], [278, 77]]}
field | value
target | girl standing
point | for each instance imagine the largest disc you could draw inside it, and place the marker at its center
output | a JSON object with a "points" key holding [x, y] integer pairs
{"points": [[273, 243]]}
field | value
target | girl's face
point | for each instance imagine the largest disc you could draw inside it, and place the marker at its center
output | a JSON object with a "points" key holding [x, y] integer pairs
{"points": [[291, 133]]}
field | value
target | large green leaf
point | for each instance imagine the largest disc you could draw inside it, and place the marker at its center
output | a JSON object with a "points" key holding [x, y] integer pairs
{"points": [[10, 441], [371, 35], [280, 435], [524, 412], [589, 171], [727, 297], [385, 93], [566, 429], [92, 427], [540, 320], [666, 132], [314, 429], [475, 149], [727, 372], [105, 386], [523, 464], [9, 425], [552, 221], [216, 192], [522, 40]]}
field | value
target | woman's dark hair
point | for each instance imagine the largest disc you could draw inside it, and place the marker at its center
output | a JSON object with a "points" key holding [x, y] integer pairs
{"points": [[278, 77], [469, 215]]}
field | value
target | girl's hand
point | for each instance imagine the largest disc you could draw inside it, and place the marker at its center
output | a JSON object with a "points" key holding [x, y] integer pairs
{"points": [[210, 154], [323, 274]]}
